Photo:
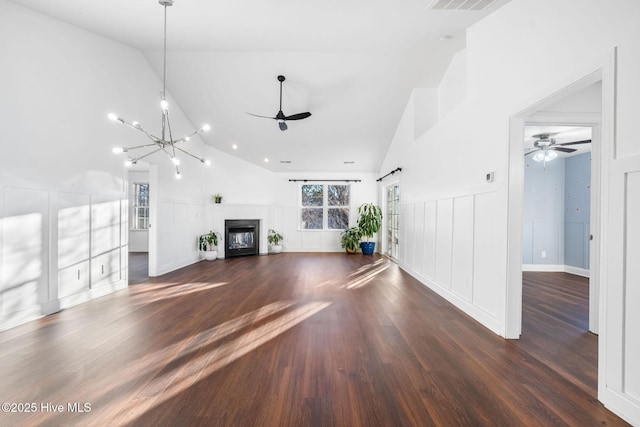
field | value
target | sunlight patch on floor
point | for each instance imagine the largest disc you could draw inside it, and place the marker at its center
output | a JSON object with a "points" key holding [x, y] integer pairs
{"points": [[366, 277], [175, 291], [206, 364], [145, 371]]}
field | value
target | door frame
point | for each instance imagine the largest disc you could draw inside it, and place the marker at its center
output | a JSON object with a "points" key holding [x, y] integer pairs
{"points": [[602, 69]]}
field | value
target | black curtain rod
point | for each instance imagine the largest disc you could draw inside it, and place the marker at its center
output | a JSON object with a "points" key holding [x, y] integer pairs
{"points": [[325, 180], [390, 173]]}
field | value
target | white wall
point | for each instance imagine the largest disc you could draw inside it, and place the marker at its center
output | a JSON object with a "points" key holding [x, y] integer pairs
{"points": [[442, 182], [63, 212]]}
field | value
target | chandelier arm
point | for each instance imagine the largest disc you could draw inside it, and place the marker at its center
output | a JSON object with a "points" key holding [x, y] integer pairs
{"points": [[147, 155], [141, 146], [167, 153], [139, 128], [188, 153], [169, 128]]}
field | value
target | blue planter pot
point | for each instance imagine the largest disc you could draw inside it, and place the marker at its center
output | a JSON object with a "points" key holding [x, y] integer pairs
{"points": [[368, 247]]}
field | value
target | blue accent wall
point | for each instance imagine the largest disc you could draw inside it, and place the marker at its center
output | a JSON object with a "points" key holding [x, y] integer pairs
{"points": [[543, 225], [556, 214], [577, 212]]}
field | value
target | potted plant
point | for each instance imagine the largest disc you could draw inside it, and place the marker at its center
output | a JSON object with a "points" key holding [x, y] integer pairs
{"points": [[274, 238], [217, 198], [369, 222], [208, 243], [350, 239]]}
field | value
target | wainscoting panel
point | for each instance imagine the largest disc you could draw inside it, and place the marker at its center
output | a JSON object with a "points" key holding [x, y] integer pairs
{"points": [[632, 287], [25, 234], [462, 260], [486, 266], [444, 242], [430, 228], [449, 243], [419, 237], [74, 243], [410, 242], [58, 248]]}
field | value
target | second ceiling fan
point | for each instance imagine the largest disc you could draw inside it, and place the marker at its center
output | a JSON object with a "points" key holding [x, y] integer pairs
{"points": [[545, 147], [280, 117]]}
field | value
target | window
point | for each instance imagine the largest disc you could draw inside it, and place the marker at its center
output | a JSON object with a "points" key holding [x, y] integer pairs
{"points": [[324, 206], [140, 214]]}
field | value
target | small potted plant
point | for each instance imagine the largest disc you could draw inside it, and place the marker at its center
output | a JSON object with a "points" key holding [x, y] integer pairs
{"points": [[208, 244], [274, 238], [350, 239], [369, 222], [217, 198]]}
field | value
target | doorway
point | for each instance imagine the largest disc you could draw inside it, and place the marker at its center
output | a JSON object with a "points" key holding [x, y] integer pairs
{"points": [[392, 194], [139, 214]]}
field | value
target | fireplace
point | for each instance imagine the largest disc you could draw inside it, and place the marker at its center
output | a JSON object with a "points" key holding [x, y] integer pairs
{"points": [[241, 237]]}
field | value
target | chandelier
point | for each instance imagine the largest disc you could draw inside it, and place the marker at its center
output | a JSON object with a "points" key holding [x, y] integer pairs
{"points": [[165, 141]]}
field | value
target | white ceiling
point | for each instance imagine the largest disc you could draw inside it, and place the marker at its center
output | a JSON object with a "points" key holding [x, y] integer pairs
{"points": [[352, 64]]}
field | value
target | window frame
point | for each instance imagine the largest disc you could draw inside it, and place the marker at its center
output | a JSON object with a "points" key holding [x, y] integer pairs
{"points": [[136, 206], [325, 207]]}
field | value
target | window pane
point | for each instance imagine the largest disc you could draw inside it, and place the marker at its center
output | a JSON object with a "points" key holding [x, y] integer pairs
{"points": [[140, 207], [312, 195], [338, 218], [311, 218], [338, 195]]}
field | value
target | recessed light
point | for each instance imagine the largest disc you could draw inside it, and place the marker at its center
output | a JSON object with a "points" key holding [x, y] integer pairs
{"points": [[234, 146], [266, 160]]}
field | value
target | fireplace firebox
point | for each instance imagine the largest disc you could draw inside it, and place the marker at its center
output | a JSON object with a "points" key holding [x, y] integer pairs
{"points": [[241, 237]]}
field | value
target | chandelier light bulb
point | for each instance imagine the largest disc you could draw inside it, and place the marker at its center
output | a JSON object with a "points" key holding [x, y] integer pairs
{"points": [[206, 162], [178, 176], [187, 138], [112, 117], [175, 160], [118, 150], [136, 124], [128, 163], [206, 128], [164, 104]]}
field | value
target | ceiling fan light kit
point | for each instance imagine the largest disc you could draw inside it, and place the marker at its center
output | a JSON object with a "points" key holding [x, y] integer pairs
{"points": [[546, 148], [165, 142], [280, 117]]}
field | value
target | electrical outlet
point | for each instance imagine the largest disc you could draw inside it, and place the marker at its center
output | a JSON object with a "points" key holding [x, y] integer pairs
{"points": [[544, 254]]}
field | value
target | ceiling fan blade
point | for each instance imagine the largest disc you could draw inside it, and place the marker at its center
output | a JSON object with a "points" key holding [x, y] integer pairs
{"points": [[283, 126], [531, 152], [586, 141], [264, 117], [298, 116], [564, 150]]}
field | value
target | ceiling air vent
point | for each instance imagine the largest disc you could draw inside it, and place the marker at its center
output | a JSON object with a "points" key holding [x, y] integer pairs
{"points": [[460, 4]]}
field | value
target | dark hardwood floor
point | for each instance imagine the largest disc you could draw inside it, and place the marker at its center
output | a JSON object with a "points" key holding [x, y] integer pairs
{"points": [[304, 340]]}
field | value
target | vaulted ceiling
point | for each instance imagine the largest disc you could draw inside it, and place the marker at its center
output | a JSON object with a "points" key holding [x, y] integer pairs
{"points": [[352, 64]]}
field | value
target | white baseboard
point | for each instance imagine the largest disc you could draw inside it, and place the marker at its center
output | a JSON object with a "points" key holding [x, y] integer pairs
{"points": [[557, 268]]}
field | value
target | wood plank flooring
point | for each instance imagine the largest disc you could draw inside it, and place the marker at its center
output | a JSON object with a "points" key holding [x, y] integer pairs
{"points": [[302, 339]]}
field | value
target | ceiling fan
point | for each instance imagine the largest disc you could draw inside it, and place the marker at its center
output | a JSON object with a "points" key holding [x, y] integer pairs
{"points": [[546, 148], [280, 117]]}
